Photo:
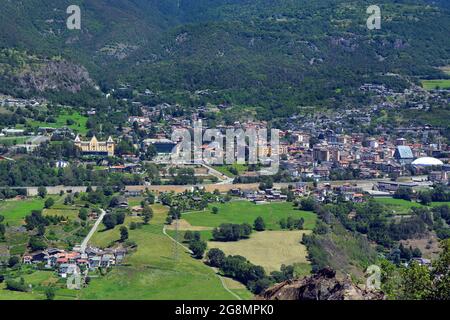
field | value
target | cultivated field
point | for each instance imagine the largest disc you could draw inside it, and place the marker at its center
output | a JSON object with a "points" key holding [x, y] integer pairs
{"points": [[269, 249], [246, 212]]}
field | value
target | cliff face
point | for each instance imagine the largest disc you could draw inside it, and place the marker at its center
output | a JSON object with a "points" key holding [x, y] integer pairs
{"points": [[322, 286]]}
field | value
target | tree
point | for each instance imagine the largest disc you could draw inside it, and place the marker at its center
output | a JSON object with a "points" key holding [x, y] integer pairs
{"points": [[259, 224], [123, 233], [425, 198], [215, 210], [403, 193], [215, 257], [147, 214], [42, 192], [50, 293], [110, 221], [307, 204], [198, 248], [416, 282], [49, 203], [13, 261], [83, 214], [188, 236]]}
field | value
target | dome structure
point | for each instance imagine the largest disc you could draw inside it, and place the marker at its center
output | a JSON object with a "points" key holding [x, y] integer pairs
{"points": [[427, 162]]}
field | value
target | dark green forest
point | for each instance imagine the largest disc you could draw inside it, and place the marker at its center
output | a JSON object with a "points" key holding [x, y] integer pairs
{"points": [[276, 55]]}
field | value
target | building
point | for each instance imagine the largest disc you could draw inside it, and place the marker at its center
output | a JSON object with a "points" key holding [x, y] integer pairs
{"points": [[95, 147], [404, 155]]}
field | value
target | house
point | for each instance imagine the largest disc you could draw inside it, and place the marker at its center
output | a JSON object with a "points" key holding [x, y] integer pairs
{"points": [[66, 270], [94, 262], [27, 259], [107, 260]]}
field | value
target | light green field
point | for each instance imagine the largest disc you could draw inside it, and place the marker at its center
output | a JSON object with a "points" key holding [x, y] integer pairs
{"points": [[13, 140], [400, 206], [15, 211], [224, 169], [269, 249], [79, 125], [433, 84], [152, 272], [246, 212]]}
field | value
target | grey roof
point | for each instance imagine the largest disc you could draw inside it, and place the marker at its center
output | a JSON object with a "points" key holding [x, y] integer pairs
{"points": [[404, 152]]}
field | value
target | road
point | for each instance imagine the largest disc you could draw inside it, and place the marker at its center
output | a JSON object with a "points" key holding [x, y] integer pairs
{"points": [[91, 233]]}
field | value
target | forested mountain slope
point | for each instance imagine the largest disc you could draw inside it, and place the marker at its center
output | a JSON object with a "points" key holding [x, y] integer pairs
{"points": [[271, 53]]}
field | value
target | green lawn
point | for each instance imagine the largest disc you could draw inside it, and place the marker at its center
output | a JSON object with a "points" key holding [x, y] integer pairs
{"points": [[433, 84], [152, 272], [400, 206], [15, 211], [246, 212]]}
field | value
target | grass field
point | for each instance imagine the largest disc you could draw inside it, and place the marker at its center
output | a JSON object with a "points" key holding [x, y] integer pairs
{"points": [[246, 212], [433, 84], [400, 206], [13, 140], [15, 211], [269, 249], [152, 272], [224, 169], [79, 124]]}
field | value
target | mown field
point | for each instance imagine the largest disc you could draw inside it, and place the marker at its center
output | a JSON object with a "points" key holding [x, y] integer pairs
{"points": [[434, 84], [269, 249], [400, 206], [78, 125], [152, 272], [15, 211], [225, 169], [246, 212]]}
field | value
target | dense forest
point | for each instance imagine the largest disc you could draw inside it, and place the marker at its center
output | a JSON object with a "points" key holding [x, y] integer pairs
{"points": [[275, 55]]}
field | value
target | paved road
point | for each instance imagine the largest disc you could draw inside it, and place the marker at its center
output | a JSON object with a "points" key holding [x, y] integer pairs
{"points": [[91, 233]]}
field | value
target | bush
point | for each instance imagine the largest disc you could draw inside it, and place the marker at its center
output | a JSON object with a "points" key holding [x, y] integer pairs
{"points": [[232, 232], [13, 261], [259, 224], [14, 285], [198, 248]]}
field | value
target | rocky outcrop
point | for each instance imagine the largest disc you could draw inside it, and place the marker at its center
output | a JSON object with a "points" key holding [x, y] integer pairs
{"points": [[321, 286], [54, 75]]}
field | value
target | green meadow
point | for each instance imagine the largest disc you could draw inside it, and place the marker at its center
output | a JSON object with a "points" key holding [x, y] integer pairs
{"points": [[400, 206], [15, 211], [435, 84], [152, 272], [246, 212], [78, 125]]}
